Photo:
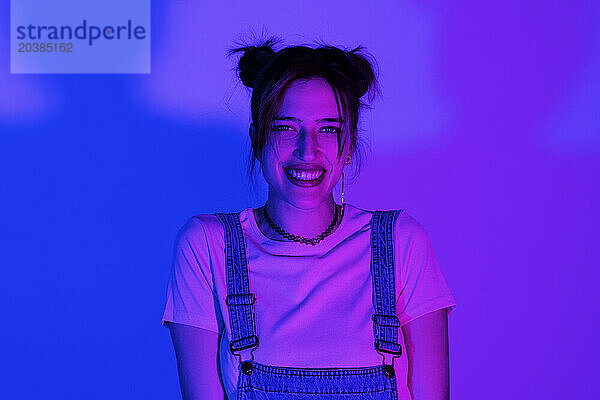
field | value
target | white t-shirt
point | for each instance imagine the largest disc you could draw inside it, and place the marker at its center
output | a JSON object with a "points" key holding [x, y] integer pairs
{"points": [[313, 303]]}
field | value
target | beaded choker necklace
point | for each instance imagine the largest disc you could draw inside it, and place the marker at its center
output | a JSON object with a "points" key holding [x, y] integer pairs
{"points": [[300, 239]]}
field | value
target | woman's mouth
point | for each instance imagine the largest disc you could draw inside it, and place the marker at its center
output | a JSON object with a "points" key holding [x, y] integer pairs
{"points": [[305, 177]]}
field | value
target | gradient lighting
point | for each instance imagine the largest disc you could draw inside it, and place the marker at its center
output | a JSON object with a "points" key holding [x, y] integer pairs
{"points": [[408, 80], [487, 132], [574, 127]]}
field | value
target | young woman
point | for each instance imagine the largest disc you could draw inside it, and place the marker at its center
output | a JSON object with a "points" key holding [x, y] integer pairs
{"points": [[303, 297]]}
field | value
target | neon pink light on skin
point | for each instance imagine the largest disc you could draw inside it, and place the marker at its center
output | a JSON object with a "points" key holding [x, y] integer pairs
{"points": [[303, 209]]}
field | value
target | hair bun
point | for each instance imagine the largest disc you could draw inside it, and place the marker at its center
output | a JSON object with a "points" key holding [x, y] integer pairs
{"points": [[362, 72], [253, 60]]}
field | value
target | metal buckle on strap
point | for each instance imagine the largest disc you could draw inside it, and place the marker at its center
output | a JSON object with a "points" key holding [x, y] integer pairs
{"points": [[234, 348], [254, 344], [382, 320], [398, 352], [240, 299], [386, 320], [395, 353]]}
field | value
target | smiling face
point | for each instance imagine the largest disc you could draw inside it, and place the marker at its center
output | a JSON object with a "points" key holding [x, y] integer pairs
{"points": [[299, 159]]}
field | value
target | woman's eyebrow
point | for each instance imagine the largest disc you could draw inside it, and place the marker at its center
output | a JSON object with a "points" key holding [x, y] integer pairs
{"points": [[284, 118]]}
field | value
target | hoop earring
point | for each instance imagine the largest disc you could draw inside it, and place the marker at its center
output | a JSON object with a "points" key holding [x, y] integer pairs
{"points": [[348, 159], [342, 187]]}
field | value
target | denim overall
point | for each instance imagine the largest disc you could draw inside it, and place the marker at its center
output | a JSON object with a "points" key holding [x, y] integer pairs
{"points": [[267, 382]]}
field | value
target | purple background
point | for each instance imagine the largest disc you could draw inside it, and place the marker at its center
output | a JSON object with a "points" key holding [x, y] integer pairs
{"points": [[488, 132]]}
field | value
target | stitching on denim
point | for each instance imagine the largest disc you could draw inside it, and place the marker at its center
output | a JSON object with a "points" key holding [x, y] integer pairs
{"points": [[384, 285], [241, 316]]}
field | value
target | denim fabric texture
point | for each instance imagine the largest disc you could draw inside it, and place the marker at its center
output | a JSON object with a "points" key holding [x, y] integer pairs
{"points": [[267, 382]]}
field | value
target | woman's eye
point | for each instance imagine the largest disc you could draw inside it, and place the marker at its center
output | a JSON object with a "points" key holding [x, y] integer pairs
{"points": [[288, 128], [281, 127], [332, 129]]}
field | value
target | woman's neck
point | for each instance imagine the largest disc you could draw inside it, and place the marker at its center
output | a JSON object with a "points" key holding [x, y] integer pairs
{"points": [[305, 222]]}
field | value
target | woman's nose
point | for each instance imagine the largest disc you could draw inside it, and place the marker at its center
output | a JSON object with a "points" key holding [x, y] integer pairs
{"points": [[307, 145]]}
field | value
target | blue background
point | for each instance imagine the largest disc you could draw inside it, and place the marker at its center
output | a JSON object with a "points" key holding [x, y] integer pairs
{"points": [[77, 55]]}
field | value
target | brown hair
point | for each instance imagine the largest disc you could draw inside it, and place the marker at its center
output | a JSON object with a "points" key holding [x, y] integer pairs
{"points": [[270, 73]]}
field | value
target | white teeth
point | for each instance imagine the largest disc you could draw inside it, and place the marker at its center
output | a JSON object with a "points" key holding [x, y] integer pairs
{"points": [[305, 175]]}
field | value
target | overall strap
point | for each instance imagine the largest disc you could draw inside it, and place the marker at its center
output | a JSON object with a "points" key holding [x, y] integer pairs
{"points": [[385, 321], [240, 301]]}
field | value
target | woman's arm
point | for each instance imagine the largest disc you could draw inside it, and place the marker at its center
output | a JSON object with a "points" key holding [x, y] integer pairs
{"points": [[426, 340], [197, 351]]}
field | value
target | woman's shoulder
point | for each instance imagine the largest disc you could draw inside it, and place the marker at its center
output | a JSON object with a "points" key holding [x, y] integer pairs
{"points": [[203, 233], [360, 210], [410, 229], [405, 223], [202, 224], [208, 224]]}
